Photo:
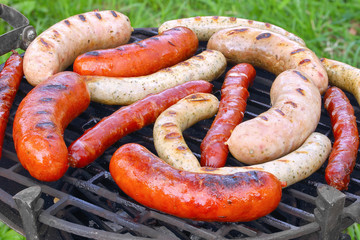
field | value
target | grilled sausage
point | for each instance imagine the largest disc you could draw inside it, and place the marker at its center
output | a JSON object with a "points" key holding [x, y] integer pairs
{"points": [[140, 58], [199, 196], [343, 76], [40, 121], [270, 51], [10, 78], [293, 116], [345, 148], [208, 65], [232, 106], [172, 148], [206, 26], [57, 47], [128, 119]]}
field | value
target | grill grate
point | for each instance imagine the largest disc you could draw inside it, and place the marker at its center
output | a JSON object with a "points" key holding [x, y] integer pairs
{"points": [[86, 203]]}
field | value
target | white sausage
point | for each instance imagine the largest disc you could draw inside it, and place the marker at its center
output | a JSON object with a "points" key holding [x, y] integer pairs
{"points": [[270, 51], [204, 27], [57, 47], [172, 148], [208, 65]]}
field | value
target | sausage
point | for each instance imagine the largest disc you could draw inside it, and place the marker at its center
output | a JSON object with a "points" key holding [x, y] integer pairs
{"points": [[270, 51], [140, 58], [172, 148], [207, 65], [206, 26], [345, 148], [10, 78], [232, 106], [235, 197], [169, 125], [343, 76], [128, 119], [294, 114], [57, 47], [40, 121]]}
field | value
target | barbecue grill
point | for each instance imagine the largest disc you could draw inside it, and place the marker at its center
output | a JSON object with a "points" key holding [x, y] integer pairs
{"points": [[87, 204]]}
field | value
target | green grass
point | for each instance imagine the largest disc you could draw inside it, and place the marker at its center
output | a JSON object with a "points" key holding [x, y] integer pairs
{"points": [[330, 28]]}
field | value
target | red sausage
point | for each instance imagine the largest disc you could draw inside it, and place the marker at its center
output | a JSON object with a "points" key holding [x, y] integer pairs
{"points": [[140, 58], [343, 155], [243, 196], [127, 119], [10, 78], [232, 106], [40, 121]]}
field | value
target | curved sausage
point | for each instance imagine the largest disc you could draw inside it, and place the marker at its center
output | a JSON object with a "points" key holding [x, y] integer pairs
{"points": [[232, 106], [199, 196], [345, 148], [270, 51], [172, 148], [343, 76], [10, 78], [206, 26], [294, 114], [208, 65], [140, 58], [128, 119], [40, 121], [57, 47]]}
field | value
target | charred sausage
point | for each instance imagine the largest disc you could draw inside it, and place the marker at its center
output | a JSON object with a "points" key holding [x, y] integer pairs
{"points": [[345, 148], [232, 106], [207, 65], [57, 47], [140, 58], [40, 121], [128, 119], [10, 78], [206, 26]]}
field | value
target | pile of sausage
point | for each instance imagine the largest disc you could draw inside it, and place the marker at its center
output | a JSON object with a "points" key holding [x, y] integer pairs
{"points": [[161, 81]]}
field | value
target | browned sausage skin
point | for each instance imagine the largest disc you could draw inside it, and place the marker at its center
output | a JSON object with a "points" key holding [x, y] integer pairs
{"points": [[128, 119], [40, 121], [232, 106], [10, 78], [342, 158], [152, 54], [146, 178]]}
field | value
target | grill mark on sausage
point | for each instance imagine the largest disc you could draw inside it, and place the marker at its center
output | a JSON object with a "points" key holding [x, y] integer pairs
{"points": [[173, 135], [280, 112], [42, 112], [92, 53], [197, 18], [44, 43], [263, 35], [237, 31], [45, 125], [268, 25], [250, 21], [215, 18], [264, 118], [181, 148], [171, 44], [114, 13], [304, 61], [56, 33], [98, 15], [171, 113], [49, 99], [301, 91], [169, 124], [294, 105], [201, 57], [54, 86], [301, 75], [297, 51], [184, 63], [67, 22], [82, 18], [140, 44], [232, 19]]}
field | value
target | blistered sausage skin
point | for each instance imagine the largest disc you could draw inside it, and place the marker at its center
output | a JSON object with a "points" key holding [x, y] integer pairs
{"points": [[56, 48], [343, 76], [140, 58], [40, 121], [10, 78], [172, 148], [345, 148], [207, 65], [128, 119], [206, 26], [206, 196], [270, 51], [234, 93], [294, 114]]}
